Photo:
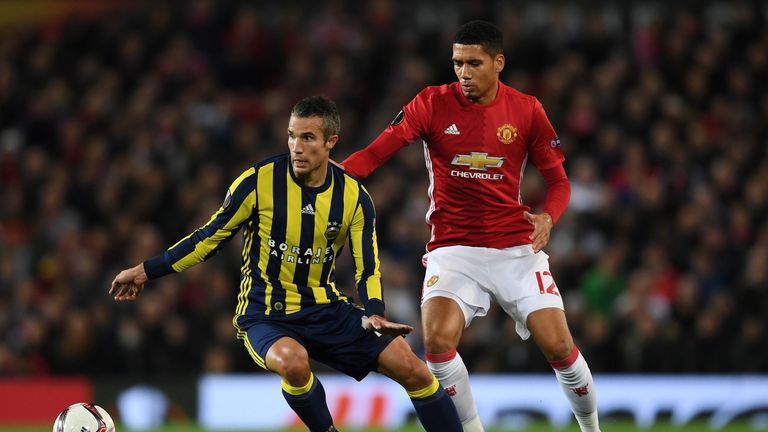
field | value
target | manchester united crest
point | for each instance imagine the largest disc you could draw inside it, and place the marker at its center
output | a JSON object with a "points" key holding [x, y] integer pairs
{"points": [[506, 133]]}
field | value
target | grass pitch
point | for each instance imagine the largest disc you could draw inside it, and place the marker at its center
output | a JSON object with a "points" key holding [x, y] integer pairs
{"points": [[606, 426]]}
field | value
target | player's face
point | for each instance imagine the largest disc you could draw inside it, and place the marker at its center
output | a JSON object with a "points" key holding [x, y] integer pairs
{"points": [[309, 148], [477, 71]]}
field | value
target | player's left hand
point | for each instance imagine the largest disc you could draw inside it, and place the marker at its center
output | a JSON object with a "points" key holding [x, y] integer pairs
{"points": [[542, 226], [384, 326]]}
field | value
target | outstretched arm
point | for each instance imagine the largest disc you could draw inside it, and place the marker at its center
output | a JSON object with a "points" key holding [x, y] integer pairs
{"points": [[206, 241], [363, 162], [407, 126], [196, 247]]}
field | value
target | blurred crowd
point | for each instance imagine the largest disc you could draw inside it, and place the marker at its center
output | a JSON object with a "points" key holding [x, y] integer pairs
{"points": [[119, 135]]}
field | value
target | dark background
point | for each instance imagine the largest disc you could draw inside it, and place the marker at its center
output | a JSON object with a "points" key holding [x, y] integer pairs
{"points": [[121, 128]]}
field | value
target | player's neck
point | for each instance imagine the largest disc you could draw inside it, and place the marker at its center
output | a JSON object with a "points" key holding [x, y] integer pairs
{"points": [[314, 178], [490, 96]]}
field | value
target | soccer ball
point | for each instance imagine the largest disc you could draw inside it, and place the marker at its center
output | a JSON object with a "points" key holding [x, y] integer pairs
{"points": [[84, 417]]}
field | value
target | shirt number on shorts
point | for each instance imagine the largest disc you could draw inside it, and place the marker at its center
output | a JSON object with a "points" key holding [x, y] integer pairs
{"points": [[551, 289]]}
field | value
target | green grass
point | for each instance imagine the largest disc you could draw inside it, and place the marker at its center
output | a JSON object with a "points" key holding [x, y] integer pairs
{"points": [[606, 426]]}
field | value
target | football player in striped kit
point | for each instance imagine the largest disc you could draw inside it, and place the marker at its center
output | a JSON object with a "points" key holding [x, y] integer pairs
{"points": [[297, 211]]}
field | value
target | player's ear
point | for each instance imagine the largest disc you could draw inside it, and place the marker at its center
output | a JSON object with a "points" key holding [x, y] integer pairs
{"points": [[498, 63], [331, 141]]}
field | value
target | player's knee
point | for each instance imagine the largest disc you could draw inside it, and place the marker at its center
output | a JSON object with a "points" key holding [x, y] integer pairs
{"points": [[297, 375], [436, 342], [415, 375], [294, 368], [559, 350]]}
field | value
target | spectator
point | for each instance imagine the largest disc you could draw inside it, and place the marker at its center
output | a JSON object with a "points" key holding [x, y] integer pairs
{"points": [[664, 121]]}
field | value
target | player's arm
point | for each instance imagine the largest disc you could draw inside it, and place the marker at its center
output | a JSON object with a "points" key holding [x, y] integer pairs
{"points": [[363, 245], [547, 157], [409, 125], [558, 194], [197, 247], [363, 162], [365, 254]]}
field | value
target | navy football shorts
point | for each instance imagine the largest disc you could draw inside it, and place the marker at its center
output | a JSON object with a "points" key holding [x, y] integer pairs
{"points": [[332, 334]]}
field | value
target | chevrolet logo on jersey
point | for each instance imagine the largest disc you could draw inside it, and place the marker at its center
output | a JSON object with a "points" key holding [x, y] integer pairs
{"points": [[478, 161]]}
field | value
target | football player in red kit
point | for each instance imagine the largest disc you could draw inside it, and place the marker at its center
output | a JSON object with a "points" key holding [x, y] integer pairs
{"points": [[486, 243]]}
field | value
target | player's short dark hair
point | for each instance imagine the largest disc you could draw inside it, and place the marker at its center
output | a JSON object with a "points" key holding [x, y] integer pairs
{"points": [[481, 33], [319, 106]]}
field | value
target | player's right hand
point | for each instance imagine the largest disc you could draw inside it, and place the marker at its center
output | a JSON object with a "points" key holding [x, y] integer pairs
{"points": [[384, 326], [542, 226], [129, 283]]}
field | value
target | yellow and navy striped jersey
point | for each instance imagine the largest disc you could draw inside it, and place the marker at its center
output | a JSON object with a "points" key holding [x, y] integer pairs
{"points": [[292, 236]]}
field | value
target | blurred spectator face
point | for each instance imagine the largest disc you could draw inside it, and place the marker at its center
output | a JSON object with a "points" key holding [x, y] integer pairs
{"points": [[477, 71], [308, 145]]}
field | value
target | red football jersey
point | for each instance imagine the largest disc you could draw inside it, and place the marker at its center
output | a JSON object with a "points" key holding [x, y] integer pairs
{"points": [[475, 155]]}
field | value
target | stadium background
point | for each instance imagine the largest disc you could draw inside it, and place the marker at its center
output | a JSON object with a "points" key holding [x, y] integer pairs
{"points": [[122, 123]]}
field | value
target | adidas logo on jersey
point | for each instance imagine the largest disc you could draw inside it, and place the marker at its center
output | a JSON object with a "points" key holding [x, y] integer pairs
{"points": [[308, 209], [452, 130]]}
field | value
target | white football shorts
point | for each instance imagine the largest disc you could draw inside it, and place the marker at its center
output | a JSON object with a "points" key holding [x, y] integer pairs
{"points": [[518, 279]]}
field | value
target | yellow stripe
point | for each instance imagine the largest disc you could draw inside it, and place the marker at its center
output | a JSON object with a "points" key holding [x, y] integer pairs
{"points": [[373, 284], [356, 237], [323, 210], [298, 391], [245, 284], [292, 238], [426, 391], [256, 358], [351, 194], [339, 243], [266, 213], [208, 244], [232, 189], [374, 281]]}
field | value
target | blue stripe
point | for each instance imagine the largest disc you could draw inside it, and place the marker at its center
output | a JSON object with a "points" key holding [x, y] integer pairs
{"points": [[335, 214], [257, 291], [306, 240], [367, 246], [277, 233]]}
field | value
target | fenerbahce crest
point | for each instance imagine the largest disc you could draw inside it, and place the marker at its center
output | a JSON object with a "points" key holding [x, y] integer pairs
{"points": [[506, 133], [332, 231]]}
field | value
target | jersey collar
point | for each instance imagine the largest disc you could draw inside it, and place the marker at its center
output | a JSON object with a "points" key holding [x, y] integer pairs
{"points": [[466, 102], [314, 189]]}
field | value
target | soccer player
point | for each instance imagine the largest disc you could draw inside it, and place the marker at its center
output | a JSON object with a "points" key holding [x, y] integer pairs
{"points": [[297, 210], [486, 244]]}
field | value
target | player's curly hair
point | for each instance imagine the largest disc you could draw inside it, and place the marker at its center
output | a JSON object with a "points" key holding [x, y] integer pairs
{"points": [[320, 106], [481, 33]]}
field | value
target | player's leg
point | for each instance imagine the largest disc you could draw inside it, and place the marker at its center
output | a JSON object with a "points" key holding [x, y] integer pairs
{"points": [[434, 408], [550, 331], [524, 287], [301, 389], [450, 300], [443, 322]]}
